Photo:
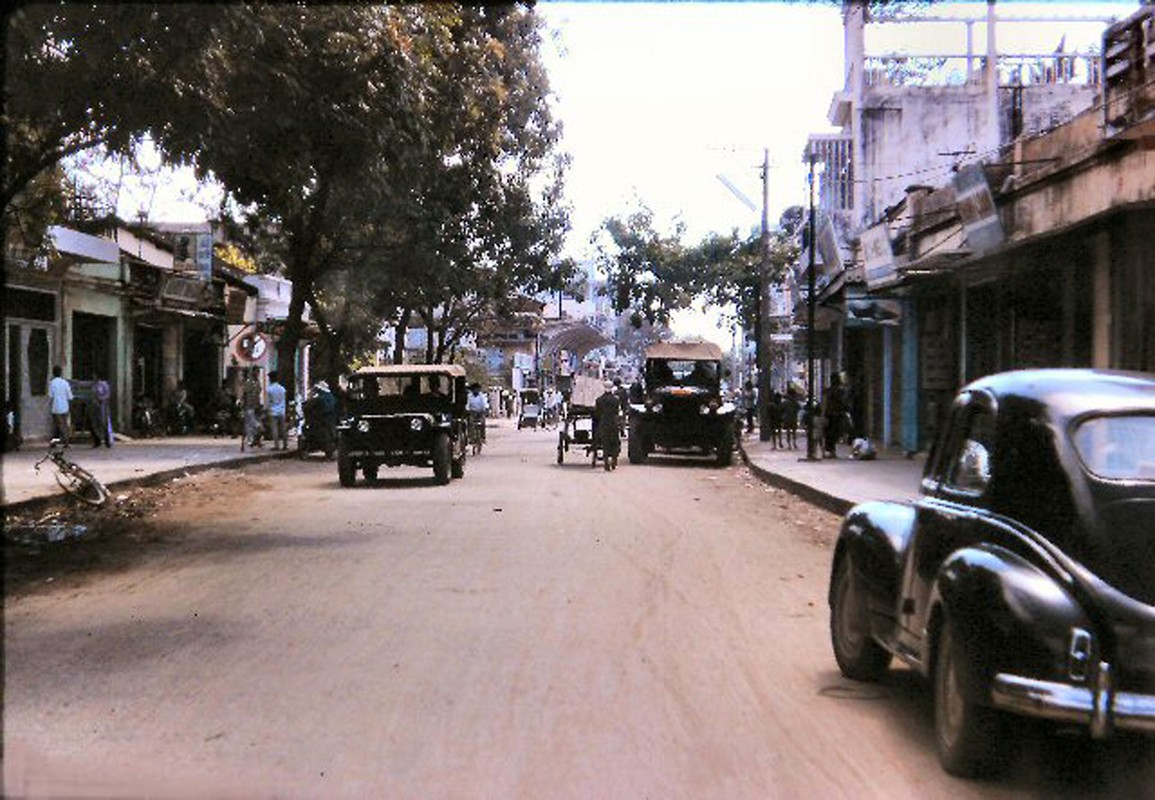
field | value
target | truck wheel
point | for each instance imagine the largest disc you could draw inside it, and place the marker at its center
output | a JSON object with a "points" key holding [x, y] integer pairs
{"points": [[859, 657], [370, 473], [457, 467], [971, 738], [346, 471], [441, 459], [725, 454], [635, 448]]}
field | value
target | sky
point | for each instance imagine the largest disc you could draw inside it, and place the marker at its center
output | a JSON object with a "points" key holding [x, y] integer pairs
{"points": [[659, 99]]}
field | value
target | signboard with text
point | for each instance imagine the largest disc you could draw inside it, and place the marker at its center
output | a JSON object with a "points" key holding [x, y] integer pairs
{"points": [[976, 209], [203, 255], [878, 256]]}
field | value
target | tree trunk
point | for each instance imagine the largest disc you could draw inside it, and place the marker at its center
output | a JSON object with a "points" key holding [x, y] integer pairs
{"points": [[290, 338], [430, 330], [399, 335]]}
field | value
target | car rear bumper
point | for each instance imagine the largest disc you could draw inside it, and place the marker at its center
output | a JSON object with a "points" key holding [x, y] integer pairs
{"points": [[1097, 706]]}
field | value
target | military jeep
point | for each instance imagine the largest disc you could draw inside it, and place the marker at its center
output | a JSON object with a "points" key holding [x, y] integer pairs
{"points": [[682, 410], [411, 414]]}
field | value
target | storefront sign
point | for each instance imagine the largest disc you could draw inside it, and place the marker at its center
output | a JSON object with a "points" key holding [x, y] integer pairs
{"points": [[878, 256], [204, 255], [976, 209], [873, 311], [828, 249]]}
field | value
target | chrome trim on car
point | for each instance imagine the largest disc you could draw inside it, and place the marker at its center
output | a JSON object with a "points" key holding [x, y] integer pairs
{"points": [[1098, 706], [1079, 654]]}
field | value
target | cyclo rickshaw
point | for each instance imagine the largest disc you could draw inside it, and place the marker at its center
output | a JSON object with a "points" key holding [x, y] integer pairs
{"points": [[577, 423], [529, 416]]}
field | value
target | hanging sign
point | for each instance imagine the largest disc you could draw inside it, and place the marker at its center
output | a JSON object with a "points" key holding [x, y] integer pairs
{"points": [[878, 256], [976, 209], [204, 256]]}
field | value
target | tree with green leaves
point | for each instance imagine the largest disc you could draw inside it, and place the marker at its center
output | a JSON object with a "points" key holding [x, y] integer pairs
{"points": [[651, 275]]}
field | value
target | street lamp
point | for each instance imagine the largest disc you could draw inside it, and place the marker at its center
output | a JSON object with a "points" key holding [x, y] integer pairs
{"points": [[811, 444]]}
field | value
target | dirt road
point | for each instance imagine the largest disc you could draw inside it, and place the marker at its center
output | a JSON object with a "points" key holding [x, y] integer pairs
{"points": [[530, 631]]}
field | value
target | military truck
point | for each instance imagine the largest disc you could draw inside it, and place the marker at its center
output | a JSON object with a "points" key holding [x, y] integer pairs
{"points": [[682, 410]]}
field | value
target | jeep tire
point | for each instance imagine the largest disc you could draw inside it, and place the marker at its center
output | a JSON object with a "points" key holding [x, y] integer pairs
{"points": [[635, 446], [442, 459], [346, 470]]}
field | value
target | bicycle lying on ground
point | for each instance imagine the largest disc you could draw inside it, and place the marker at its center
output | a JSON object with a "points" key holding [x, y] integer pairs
{"points": [[73, 478]]}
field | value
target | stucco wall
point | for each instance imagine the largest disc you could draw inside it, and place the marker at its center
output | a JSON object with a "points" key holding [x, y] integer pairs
{"points": [[1115, 178], [905, 131]]}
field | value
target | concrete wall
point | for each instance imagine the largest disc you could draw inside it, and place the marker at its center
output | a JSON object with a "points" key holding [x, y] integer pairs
{"points": [[905, 130]]}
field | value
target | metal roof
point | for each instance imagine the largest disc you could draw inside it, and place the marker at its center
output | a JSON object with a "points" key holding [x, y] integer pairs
{"points": [[576, 337]]}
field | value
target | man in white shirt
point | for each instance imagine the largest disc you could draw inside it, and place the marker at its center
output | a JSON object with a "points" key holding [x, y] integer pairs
{"points": [[477, 404], [60, 405]]}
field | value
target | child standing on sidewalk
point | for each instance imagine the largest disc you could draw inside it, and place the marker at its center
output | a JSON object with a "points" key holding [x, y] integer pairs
{"points": [[790, 418]]}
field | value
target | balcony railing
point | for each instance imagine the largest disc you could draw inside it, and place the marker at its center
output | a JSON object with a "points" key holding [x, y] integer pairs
{"points": [[1020, 69]]}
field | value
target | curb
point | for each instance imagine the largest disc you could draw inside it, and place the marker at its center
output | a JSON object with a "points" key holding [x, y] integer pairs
{"points": [[817, 497], [152, 479]]}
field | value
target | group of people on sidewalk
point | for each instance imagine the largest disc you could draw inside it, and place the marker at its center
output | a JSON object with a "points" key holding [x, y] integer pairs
{"points": [[784, 413]]}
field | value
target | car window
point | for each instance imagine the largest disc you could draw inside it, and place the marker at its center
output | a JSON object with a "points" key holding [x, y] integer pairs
{"points": [[970, 465], [1118, 447]]}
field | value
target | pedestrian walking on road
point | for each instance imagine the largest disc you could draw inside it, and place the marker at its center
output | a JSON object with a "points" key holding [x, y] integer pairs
{"points": [[607, 411], [60, 405], [278, 429], [251, 401], [99, 413]]}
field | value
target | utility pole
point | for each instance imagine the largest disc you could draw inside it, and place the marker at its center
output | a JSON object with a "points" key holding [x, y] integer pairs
{"points": [[811, 444], [764, 328]]}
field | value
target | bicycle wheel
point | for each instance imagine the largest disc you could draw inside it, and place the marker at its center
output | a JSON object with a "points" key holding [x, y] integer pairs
{"points": [[81, 484]]}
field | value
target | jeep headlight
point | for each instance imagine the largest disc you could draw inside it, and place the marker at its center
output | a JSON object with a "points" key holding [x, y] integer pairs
{"points": [[416, 424], [363, 426]]}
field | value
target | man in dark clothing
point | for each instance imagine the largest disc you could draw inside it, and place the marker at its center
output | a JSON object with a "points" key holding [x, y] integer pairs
{"points": [[623, 395], [607, 410], [790, 418], [833, 410]]}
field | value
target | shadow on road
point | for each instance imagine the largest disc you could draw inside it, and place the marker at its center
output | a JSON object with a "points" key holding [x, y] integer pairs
{"points": [[1042, 761]]}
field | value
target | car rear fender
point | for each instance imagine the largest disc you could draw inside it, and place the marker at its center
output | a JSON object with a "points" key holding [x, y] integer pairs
{"points": [[1008, 616], [874, 537]]}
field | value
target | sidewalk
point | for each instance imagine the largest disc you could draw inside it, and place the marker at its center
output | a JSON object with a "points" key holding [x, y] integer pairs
{"points": [[834, 484], [127, 463]]}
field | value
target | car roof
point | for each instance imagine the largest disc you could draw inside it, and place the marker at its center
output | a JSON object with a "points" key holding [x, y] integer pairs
{"points": [[1070, 393], [455, 370], [687, 351]]}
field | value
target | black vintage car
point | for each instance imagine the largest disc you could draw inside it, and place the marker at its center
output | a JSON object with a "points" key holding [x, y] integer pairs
{"points": [[683, 410], [1022, 582], [406, 414]]}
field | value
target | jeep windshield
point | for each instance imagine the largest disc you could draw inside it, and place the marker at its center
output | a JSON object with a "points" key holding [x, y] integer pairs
{"points": [[682, 372], [399, 390]]}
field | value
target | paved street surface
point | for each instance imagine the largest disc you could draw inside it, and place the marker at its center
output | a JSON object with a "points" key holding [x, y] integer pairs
{"points": [[532, 630]]}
